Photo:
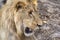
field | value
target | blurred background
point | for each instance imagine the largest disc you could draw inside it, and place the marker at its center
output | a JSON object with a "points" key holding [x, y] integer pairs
{"points": [[49, 11]]}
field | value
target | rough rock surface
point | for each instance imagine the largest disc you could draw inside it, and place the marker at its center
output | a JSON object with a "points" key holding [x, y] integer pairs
{"points": [[49, 11]]}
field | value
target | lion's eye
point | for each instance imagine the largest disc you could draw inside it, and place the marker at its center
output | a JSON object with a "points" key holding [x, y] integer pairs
{"points": [[28, 30], [19, 6], [30, 12]]}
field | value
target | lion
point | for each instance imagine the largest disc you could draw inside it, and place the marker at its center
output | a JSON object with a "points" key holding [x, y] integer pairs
{"points": [[20, 18]]}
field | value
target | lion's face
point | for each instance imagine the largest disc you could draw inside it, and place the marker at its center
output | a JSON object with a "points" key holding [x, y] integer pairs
{"points": [[25, 16]]}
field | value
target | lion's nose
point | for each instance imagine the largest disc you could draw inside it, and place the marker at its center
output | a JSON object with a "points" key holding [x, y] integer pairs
{"points": [[28, 30], [39, 25]]}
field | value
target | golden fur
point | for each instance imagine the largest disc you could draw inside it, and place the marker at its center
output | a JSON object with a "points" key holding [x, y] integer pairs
{"points": [[16, 15]]}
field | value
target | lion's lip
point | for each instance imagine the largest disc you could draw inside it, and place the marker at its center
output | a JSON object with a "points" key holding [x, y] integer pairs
{"points": [[30, 34], [27, 30]]}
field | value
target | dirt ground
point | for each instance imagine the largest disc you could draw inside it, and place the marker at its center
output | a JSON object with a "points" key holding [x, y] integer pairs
{"points": [[49, 11]]}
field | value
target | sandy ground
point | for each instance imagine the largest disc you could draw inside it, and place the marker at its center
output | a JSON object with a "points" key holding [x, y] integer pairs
{"points": [[49, 11]]}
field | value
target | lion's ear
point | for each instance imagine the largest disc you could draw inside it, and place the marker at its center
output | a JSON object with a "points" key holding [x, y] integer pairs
{"points": [[33, 2]]}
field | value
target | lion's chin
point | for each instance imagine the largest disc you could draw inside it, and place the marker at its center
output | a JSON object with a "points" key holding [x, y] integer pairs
{"points": [[29, 34]]}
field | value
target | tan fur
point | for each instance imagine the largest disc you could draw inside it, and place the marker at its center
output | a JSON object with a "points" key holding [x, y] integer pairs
{"points": [[13, 18]]}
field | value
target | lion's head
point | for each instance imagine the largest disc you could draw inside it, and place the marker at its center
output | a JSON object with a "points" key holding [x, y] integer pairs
{"points": [[24, 14]]}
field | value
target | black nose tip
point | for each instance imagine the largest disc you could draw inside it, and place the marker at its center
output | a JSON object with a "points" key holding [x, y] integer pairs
{"points": [[39, 25], [28, 30]]}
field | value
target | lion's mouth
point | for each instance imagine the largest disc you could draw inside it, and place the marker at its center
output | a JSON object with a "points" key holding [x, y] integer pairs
{"points": [[28, 32]]}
